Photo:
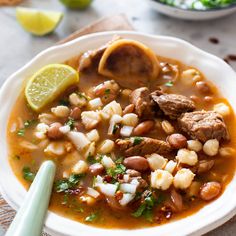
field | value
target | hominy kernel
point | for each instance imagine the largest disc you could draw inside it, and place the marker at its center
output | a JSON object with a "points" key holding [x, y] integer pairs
{"points": [[167, 127]]}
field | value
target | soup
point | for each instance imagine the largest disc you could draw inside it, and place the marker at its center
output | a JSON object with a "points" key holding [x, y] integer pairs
{"points": [[139, 141]]}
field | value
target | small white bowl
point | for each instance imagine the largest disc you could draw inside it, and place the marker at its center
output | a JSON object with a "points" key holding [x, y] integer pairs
{"points": [[192, 14], [215, 69]]}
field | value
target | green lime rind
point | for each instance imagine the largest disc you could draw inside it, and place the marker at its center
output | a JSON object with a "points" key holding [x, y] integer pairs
{"points": [[48, 83]]}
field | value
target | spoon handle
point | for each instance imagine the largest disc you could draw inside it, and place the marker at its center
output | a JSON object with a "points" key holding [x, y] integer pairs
{"points": [[29, 219]]}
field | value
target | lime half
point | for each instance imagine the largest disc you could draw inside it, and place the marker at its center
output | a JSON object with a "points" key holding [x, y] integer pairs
{"points": [[76, 4], [49, 82], [38, 22]]}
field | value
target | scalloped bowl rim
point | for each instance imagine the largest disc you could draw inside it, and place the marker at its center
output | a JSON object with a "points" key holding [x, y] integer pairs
{"points": [[214, 214]]}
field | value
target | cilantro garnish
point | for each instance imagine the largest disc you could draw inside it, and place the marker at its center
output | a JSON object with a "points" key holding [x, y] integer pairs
{"points": [[21, 132], [92, 217], [119, 169], [64, 102], [137, 140], [27, 124], [65, 184], [70, 123], [146, 208], [27, 174], [115, 128], [107, 91], [169, 84]]}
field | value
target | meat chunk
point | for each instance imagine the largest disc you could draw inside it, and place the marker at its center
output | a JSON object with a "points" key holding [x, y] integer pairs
{"points": [[92, 57], [173, 105], [144, 106], [142, 146], [203, 125]]}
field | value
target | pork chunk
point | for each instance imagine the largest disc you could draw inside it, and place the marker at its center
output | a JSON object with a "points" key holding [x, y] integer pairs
{"points": [[203, 125], [142, 146], [173, 105], [144, 106]]}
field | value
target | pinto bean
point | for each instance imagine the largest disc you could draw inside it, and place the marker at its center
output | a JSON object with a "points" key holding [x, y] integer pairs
{"points": [[210, 190], [195, 98], [205, 165], [177, 141], [75, 113], [128, 109], [143, 127], [137, 163], [96, 169], [176, 198], [203, 87], [208, 99], [54, 132]]}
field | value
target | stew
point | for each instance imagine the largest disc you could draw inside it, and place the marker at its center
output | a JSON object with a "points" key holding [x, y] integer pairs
{"points": [[140, 140]]}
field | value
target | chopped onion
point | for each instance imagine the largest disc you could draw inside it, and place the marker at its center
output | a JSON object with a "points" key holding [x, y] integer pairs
{"points": [[78, 139], [65, 129], [98, 180], [107, 162], [126, 131], [95, 103], [108, 189], [127, 197], [134, 182], [128, 188], [115, 119], [126, 178], [92, 192]]}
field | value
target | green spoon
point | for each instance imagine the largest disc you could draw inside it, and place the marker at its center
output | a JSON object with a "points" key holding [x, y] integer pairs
{"points": [[29, 219]]}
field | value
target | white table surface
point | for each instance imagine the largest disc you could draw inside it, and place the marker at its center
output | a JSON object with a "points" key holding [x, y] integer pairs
{"points": [[18, 47]]}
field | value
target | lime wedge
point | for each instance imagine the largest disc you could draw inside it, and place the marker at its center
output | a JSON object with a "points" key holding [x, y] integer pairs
{"points": [[76, 4], [49, 82], [38, 22]]}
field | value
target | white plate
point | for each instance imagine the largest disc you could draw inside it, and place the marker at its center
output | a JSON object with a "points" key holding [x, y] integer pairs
{"points": [[215, 69], [191, 14]]}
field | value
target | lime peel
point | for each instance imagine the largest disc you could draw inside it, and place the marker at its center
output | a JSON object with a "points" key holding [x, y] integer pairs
{"points": [[48, 83], [38, 22]]}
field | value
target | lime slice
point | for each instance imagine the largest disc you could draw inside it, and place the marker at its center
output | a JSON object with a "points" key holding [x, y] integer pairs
{"points": [[38, 22], [76, 4], [49, 82]]}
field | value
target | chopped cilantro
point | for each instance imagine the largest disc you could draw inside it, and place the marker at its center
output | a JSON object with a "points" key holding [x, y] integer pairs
{"points": [[169, 84], [71, 123], [139, 211], [91, 159], [115, 128], [82, 95], [146, 208], [27, 174], [119, 169], [29, 123], [65, 184], [148, 215], [107, 91], [92, 217], [64, 102], [21, 132], [119, 160], [65, 199], [137, 140]]}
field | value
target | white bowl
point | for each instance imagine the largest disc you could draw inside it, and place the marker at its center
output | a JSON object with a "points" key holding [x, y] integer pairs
{"points": [[192, 14], [215, 69]]}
